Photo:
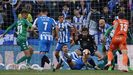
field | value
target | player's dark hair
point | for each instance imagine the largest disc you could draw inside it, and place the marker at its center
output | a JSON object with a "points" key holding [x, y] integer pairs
{"points": [[121, 15], [61, 14], [85, 29], [43, 10], [64, 45], [24, 11]]}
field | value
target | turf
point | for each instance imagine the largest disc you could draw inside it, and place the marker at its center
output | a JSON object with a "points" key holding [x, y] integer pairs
{"points": [[64, 72]]}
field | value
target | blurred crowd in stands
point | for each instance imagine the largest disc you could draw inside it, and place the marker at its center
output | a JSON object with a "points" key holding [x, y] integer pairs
{"points": [[88, 12]]}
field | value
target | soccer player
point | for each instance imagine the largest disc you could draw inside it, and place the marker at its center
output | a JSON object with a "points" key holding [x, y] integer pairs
{"points": [[111, 32], [78, 20], [119, 40], [22, 26], [63, 34], [86, 41], [105, 48], [103, 26], [74, 59], [45, 26]]}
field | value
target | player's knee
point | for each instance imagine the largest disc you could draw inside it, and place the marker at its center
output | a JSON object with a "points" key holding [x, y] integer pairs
{"points": [[27, 53], [31, 50]]}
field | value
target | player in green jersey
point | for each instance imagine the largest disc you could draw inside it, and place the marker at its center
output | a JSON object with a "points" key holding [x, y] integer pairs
{"points": [[22, 26]]}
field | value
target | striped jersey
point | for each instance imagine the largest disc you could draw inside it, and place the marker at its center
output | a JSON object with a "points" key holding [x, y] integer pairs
{"points": [[64, 32], [45, 26], [101, 34], [78, 22], [74, 55]]}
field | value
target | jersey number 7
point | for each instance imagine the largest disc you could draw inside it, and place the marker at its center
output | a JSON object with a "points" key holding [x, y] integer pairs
{"points": [[45, 25]]}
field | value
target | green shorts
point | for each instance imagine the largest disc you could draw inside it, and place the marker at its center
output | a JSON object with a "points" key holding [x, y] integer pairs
{"points": [[22, 42]]}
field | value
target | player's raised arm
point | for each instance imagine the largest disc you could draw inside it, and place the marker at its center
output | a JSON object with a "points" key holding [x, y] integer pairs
{"points": [[9, 28]]}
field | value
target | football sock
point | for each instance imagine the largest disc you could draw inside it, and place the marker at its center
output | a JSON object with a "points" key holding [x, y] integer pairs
{"points": [[57, 58], [21, 59], [128, 62], [125, 59], [59, 64], [28, 59], [40, 58], [91, 61], [110, 56], [43, 60]]}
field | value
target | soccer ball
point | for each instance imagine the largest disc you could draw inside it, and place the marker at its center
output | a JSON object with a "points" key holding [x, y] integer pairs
{"points": [[86, 51]]}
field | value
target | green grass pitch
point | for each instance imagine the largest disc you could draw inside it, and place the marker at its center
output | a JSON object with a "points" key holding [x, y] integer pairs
{"points": [[64, 72]]}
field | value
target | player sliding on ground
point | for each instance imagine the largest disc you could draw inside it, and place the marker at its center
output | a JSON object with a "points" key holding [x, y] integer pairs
{"points": [[76, 60], [22, 25], [119, 41]]}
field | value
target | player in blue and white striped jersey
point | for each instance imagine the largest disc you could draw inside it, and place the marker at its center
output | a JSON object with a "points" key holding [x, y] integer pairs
{"points": [[63, 34], [45, 27], [78, 20], [75, 60]]}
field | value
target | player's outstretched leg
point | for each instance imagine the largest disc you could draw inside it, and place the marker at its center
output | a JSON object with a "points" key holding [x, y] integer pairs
{"points": [[26, 57], [110, 57], [44, 60], [57, 55], [31, 50], [100, 57], [92, 64], [125, 60]]}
